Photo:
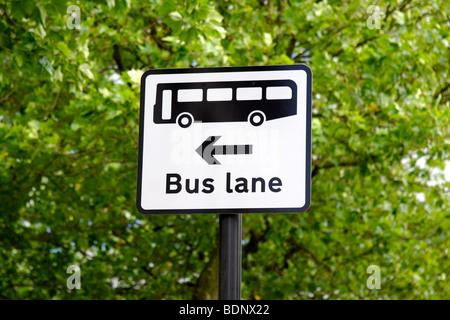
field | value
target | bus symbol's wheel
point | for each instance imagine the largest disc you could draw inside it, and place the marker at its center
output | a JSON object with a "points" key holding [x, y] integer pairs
{"points": [[184, 120], [256, 118]]}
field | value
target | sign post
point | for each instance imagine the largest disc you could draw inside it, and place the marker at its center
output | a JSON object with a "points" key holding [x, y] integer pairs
{"points": [[230, 259], [225, 140]]}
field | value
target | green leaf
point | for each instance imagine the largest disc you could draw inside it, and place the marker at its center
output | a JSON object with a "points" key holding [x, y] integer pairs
{"points": [[46, 64], [86, 70], [175, 16], [63, 48], [19, 60], [39, 30], [58, 76], [399, 17], [267, 39], [42, 12]]}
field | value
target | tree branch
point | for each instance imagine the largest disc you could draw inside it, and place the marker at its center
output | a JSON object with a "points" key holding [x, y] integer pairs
{"points": [[7, 95], [332, 165]]}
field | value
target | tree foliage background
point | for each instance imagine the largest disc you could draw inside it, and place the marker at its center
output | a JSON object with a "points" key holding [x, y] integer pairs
{"points": [[69, 106]]}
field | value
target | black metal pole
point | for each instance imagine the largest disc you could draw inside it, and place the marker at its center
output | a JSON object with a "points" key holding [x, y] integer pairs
{"points": [[230, 256]]}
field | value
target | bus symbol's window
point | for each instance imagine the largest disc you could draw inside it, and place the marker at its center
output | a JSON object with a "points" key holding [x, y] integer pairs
{"points": [[166, 104], [190, 95], [278, 93], [249, 94], [219, 94]]}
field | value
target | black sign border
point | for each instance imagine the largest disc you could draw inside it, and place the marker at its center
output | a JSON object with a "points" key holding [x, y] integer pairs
{"points": [[227, 69]]}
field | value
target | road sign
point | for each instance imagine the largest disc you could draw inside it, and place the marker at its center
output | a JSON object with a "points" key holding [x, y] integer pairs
{"points": [[260, 115]]}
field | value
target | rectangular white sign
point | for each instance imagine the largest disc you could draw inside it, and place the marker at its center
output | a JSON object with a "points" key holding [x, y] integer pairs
{"points": [[225, 140]]}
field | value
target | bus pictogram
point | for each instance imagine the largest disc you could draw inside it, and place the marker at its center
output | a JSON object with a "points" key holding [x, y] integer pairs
{"points": [[252, 101]]}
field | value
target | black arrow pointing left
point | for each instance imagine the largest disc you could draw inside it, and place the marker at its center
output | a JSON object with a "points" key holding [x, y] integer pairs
{"points": [[207, 150]]}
